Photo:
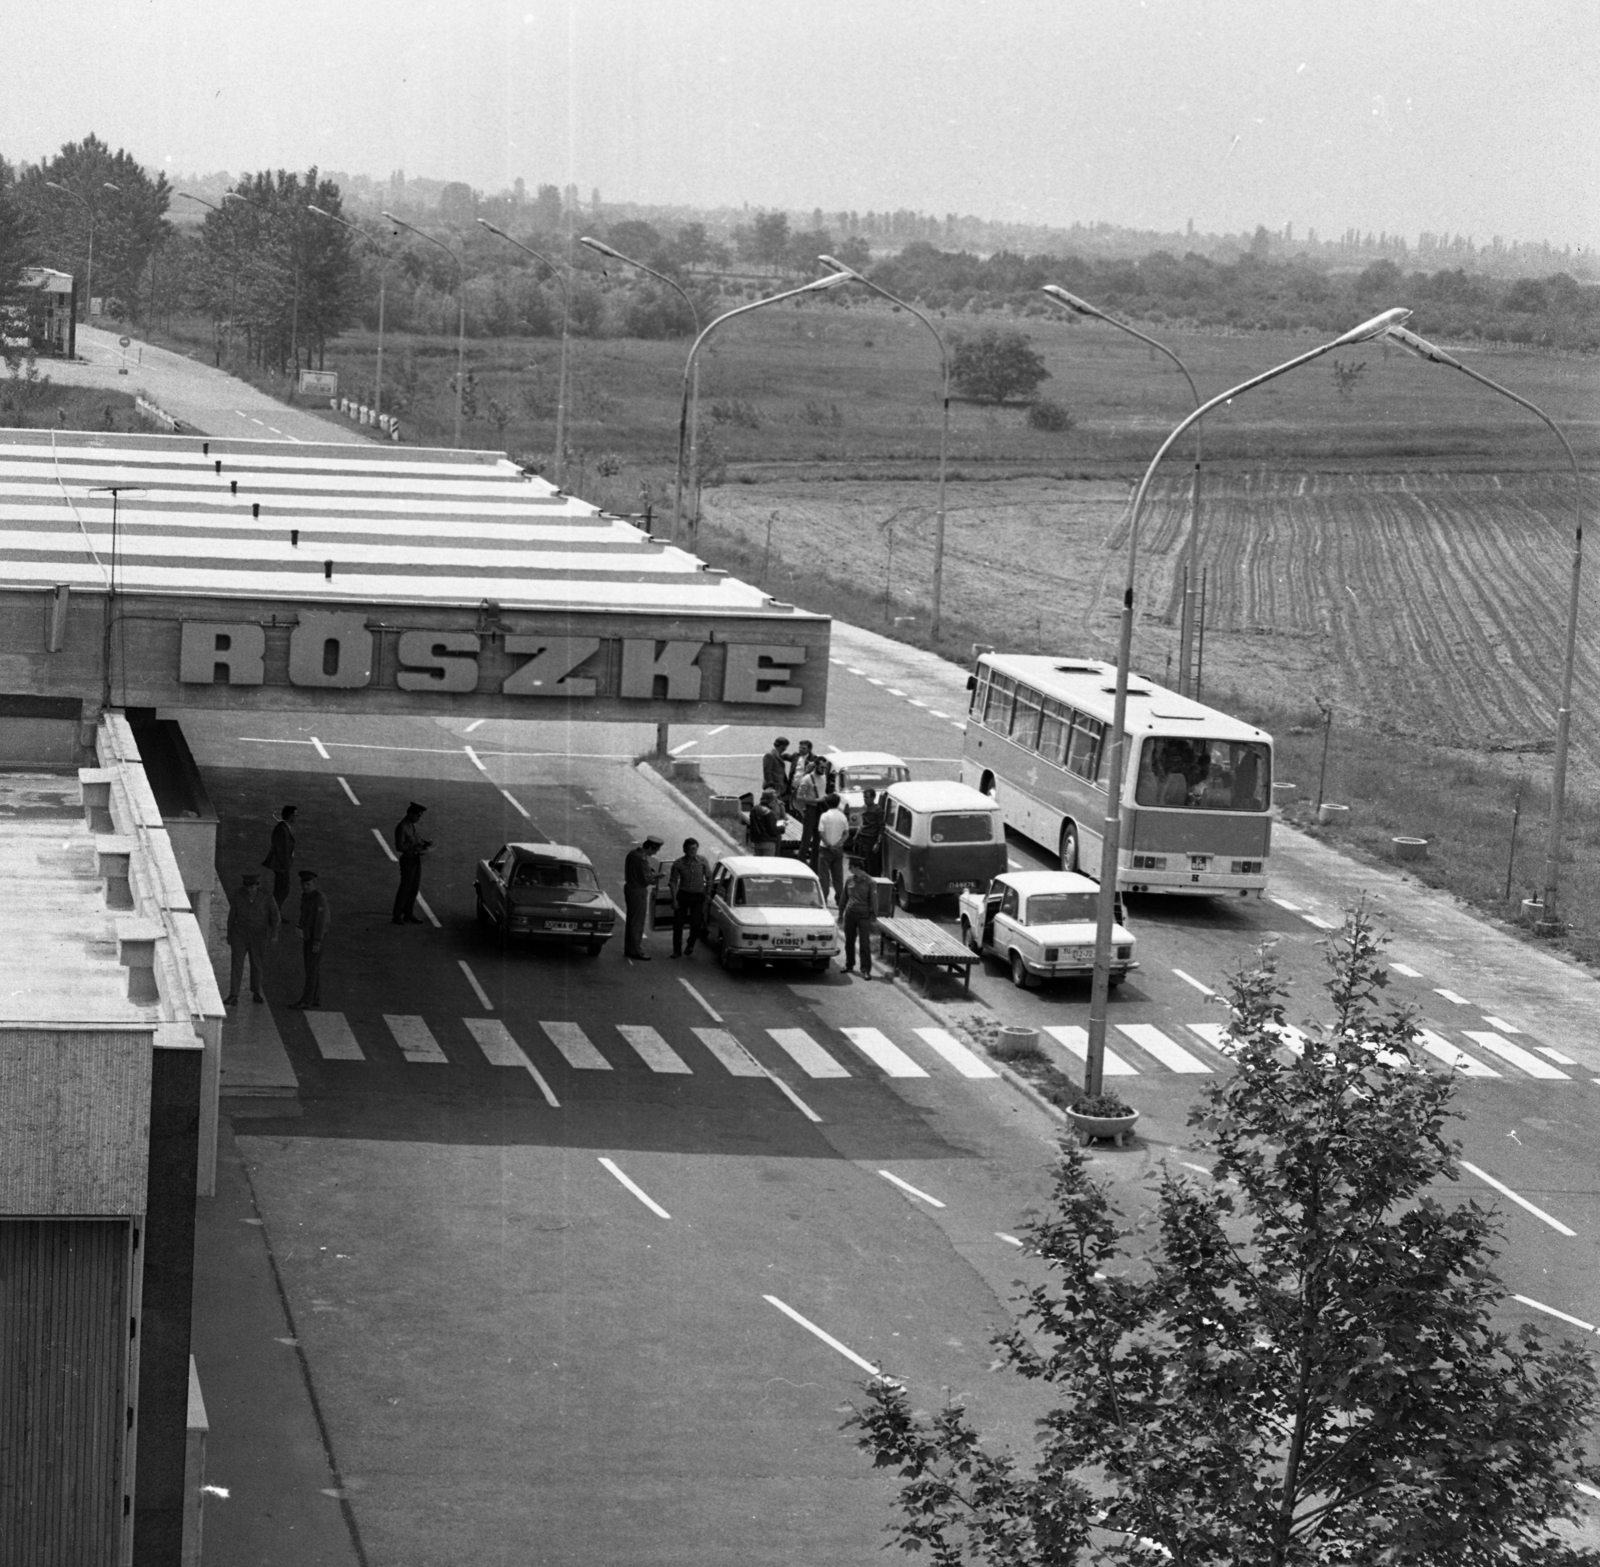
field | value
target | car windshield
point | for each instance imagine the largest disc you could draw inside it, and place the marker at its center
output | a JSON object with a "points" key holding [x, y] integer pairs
{"points": [[554, 874], [1200, 774], [961, 827], [875, 776], [778, 892], [1058, 908]]}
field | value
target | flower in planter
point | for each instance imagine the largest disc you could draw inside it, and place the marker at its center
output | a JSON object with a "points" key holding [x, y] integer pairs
{"points": [[1100, 1104]]}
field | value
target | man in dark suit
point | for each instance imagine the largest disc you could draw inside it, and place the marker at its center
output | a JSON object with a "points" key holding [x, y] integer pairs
{"points": [[253, 921], [280, 856], [409, 847], [639, 877], [775, 768], [315, 917]]}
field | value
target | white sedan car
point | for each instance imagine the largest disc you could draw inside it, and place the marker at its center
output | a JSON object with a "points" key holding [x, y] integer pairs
{"points": [[766, 908], [854, 772], [1042, 925]]}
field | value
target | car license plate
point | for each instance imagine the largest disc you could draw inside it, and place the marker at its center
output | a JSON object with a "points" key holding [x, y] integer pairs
{"points": [[559, 925], [787, 941], [1080, 954]]}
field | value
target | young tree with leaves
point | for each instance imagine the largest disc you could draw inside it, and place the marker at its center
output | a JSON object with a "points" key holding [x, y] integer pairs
{"points": [[996, 364], [1302, 1372], [16, 252]]}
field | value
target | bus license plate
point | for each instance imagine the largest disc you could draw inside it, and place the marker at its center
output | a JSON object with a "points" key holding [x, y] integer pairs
{"points": [[963, 886]]}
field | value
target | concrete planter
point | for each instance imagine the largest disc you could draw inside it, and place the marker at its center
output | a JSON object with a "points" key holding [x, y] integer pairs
{"points": [[1410, 848], [686, 768], [1014, 1041], [1284, 793], [725, 806], [1088, 1127], [1334, 815]]}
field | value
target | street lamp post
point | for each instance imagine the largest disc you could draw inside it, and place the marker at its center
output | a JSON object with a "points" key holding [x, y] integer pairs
{"points": [[561, 374], [294, 257], [944, 430], [600, 248], [383, 284], [1110, 841], [88, 206], [233, 270], [461, 309], [1549, 923], [1082, 307], [816, 285]]}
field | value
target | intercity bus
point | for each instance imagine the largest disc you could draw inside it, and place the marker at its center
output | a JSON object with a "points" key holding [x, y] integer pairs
{"points": [[1197, 784]]}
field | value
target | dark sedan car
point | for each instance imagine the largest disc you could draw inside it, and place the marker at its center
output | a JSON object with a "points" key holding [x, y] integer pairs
{"points": [[544, 889]]}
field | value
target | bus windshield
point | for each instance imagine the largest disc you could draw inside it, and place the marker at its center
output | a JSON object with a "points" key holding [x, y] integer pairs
{"points": [[1197, 773]]}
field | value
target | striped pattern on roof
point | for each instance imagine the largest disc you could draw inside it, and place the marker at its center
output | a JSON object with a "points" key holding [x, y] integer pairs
{"points": [[263, 519]]}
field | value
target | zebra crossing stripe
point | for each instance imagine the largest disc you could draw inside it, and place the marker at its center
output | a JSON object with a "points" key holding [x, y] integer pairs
{"points": [[1453, 1055], [729, 1052], [575, 1045], [657, 1054], [1168, 1052], [334, 1039], [415, 1040], [1216, 1035], [1533, 1065], [883, 1052], [1076, 1040], [806, 1053], [500, 1049], [947, 1045]]}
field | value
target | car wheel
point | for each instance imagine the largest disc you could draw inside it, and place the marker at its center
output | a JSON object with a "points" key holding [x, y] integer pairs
{"points": [[1020, 977], [898, 895], [966, 935], [1069, 847], [1114, 981], [730, 959]]}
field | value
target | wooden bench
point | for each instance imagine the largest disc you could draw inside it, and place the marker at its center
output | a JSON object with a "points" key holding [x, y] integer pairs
{"points": [[925, 943]]}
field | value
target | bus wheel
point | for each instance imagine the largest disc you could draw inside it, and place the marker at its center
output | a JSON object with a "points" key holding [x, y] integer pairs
{"points": [[898, 894], [1020, 977], [986, 785], [1069, 847]]}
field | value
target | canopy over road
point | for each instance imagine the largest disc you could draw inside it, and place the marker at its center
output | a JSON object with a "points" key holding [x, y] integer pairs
{"points": [[179, 571]]}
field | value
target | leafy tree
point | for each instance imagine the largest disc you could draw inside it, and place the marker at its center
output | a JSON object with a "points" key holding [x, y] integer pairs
{"points": [[690, 246], [995, 364], [769, 238], [16, 252], [1302, 1370], [638, 240]]}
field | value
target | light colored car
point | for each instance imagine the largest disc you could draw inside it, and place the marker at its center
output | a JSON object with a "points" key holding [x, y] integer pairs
{"points": [[1041, 924], [544, 889], [766, 908], [854, 772]]}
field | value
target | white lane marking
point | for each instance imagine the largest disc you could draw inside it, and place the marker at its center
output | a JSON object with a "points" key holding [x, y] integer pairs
{"points": [[1450, 995], [1014, 864], [1521, 1202], [322, 750], [574, 1044], [474, 724], [1010, 1240], [1406, 969], [655, 1052], [383, 843], [1076, 1040], [827, 1338], [956, 1053], [1453, 1055], [717, 731], [637, 1190], [955, 725], [893, 692], [711, 1011], [433, 919], [1515, 1054], [335, 1042], [1556, 1056], [1283, 903], [934, 712], [1198, 1168], [500, 1049], [915, 703], [854, 671], [906, 1186], [729, 1052], [882, 1050], [472, 979], [261, 422], [1321, 924], [872, 680], [517, 804], [1167, 1051], [1577, 1322], [794, 1098], [1588, 1490], [679, 749], [476, 760], [415, 1040], [806, 1053], [1189, 979], [1505, 1027]]}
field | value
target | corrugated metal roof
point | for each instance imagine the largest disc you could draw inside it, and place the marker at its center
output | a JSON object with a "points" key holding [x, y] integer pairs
{"points": [[263, 519]]}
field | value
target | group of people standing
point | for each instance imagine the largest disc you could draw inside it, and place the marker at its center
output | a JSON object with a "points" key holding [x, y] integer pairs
{"points": [[802, 785]]}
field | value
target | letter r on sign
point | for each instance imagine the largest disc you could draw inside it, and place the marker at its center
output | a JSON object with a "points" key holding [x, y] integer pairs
{"points": [[643, 666], [760, 671], [229, 655]]}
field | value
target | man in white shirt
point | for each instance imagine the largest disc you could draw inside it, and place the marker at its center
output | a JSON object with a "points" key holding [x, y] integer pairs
{"points": [[832, 828]]}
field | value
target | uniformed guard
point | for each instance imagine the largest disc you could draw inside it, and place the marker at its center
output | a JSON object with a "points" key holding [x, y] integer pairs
{"points": [[315, 917], [639, 877], [253, 920], [409, 846]]}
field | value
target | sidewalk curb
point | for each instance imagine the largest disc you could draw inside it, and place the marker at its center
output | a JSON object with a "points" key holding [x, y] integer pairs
{"points": [[684, 803]]}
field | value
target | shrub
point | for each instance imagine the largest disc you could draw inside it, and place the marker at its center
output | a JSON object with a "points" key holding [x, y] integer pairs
{"points": [[1048, 415]]}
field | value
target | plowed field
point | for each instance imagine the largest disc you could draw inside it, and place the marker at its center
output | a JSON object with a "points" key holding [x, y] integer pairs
{"points": [[1418, 602]]}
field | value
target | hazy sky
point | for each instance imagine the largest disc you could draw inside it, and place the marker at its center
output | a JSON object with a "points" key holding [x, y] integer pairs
{"points": [[1469, 116]]}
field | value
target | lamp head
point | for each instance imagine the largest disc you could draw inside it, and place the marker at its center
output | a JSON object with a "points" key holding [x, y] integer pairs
{"points": [[1421, 347], [107, 185], [1376, 327], [1079, 307], [57, 185], [833, 280], [491, 228], [600, 247], [838, 266]]}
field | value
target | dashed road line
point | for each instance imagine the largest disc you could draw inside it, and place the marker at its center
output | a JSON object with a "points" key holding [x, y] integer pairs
{"points": [[1505, 1027], [476, 760], [1283, 903], [717, 731], [1321, 924], [1406, 969], [710, 1011], [1010, 1240], [348, 790], [827, 1338], [906, 1186], [1451, 996], [322, 750], [1520, 1201], [383, 843], [1189, 979], [1577, 1322], [634, 1187], [433, 919], [517, 805], [474, 724], [500, 1049], [472, 979]]}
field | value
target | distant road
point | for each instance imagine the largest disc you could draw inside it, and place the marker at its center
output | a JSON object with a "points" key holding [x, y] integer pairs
{"points": [[205, 399]]}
